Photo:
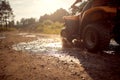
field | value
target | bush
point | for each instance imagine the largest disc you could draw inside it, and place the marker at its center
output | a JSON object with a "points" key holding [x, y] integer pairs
{"points": [[50, 27]]}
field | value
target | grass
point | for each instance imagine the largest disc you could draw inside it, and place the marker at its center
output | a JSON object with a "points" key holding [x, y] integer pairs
{"points": [[49, 27], [2, 29]]}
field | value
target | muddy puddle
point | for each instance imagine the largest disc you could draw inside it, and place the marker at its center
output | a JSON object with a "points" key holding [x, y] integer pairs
{"points": [[51, 46], [40, 45], [47, 46], [26, 35]]}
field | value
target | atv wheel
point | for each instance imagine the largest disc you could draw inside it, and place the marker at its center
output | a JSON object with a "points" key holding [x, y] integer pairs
{"points": [[95, 37]]}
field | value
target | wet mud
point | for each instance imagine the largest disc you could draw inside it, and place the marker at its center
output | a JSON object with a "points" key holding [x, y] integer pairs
{"points": [[32, 56]]}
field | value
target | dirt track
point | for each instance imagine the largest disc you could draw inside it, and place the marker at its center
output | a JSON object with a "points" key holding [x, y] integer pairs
{"points": [[48, 61]]}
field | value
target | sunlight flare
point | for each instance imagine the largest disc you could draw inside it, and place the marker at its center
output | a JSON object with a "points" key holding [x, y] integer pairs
{"points": [[52, 5]]}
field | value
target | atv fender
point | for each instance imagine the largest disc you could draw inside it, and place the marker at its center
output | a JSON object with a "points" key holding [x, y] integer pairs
{"points": [[96, 15]]}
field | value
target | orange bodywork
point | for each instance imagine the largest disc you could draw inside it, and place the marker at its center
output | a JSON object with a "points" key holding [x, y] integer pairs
{"points": [[71, 18]]}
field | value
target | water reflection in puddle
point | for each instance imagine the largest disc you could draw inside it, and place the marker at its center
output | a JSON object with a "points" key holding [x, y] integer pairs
{"points": [[51, 47], [26, 35], [40, 45]]}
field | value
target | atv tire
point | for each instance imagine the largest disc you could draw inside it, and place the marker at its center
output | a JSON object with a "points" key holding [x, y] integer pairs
{"points": [[95, 37]]}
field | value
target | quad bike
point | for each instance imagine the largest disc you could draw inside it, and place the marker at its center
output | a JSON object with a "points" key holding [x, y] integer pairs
{"points": [[94, 26]]}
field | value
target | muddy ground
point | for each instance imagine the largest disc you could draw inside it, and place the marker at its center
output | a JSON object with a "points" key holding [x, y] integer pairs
{"points": [[34, 56]]}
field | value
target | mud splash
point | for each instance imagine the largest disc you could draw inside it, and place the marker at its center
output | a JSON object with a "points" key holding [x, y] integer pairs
{"points": [[112, 42], [113, 48]]}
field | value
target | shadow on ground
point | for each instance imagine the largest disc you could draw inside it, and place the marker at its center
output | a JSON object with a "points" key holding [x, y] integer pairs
{"points": [[101, 65]]}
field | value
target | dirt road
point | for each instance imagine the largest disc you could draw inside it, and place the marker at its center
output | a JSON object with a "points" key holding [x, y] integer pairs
{"points": [[33, 56]]}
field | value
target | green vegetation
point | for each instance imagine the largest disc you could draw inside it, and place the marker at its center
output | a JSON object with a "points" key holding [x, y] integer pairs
{"points": [[47, 24], [6, 15], [53, 23], [7, 29], [50, 27]]}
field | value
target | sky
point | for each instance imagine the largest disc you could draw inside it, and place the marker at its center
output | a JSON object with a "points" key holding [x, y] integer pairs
{"points": [[37, 8]]}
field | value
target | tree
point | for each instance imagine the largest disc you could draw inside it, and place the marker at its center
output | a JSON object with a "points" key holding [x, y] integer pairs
{"points": [[27, 21], [6, 13], [56, 16], [44, 17]]}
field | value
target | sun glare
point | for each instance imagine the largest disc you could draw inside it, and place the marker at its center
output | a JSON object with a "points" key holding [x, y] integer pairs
{"points": [[37, 8], [51, 5], [51, 2]]}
